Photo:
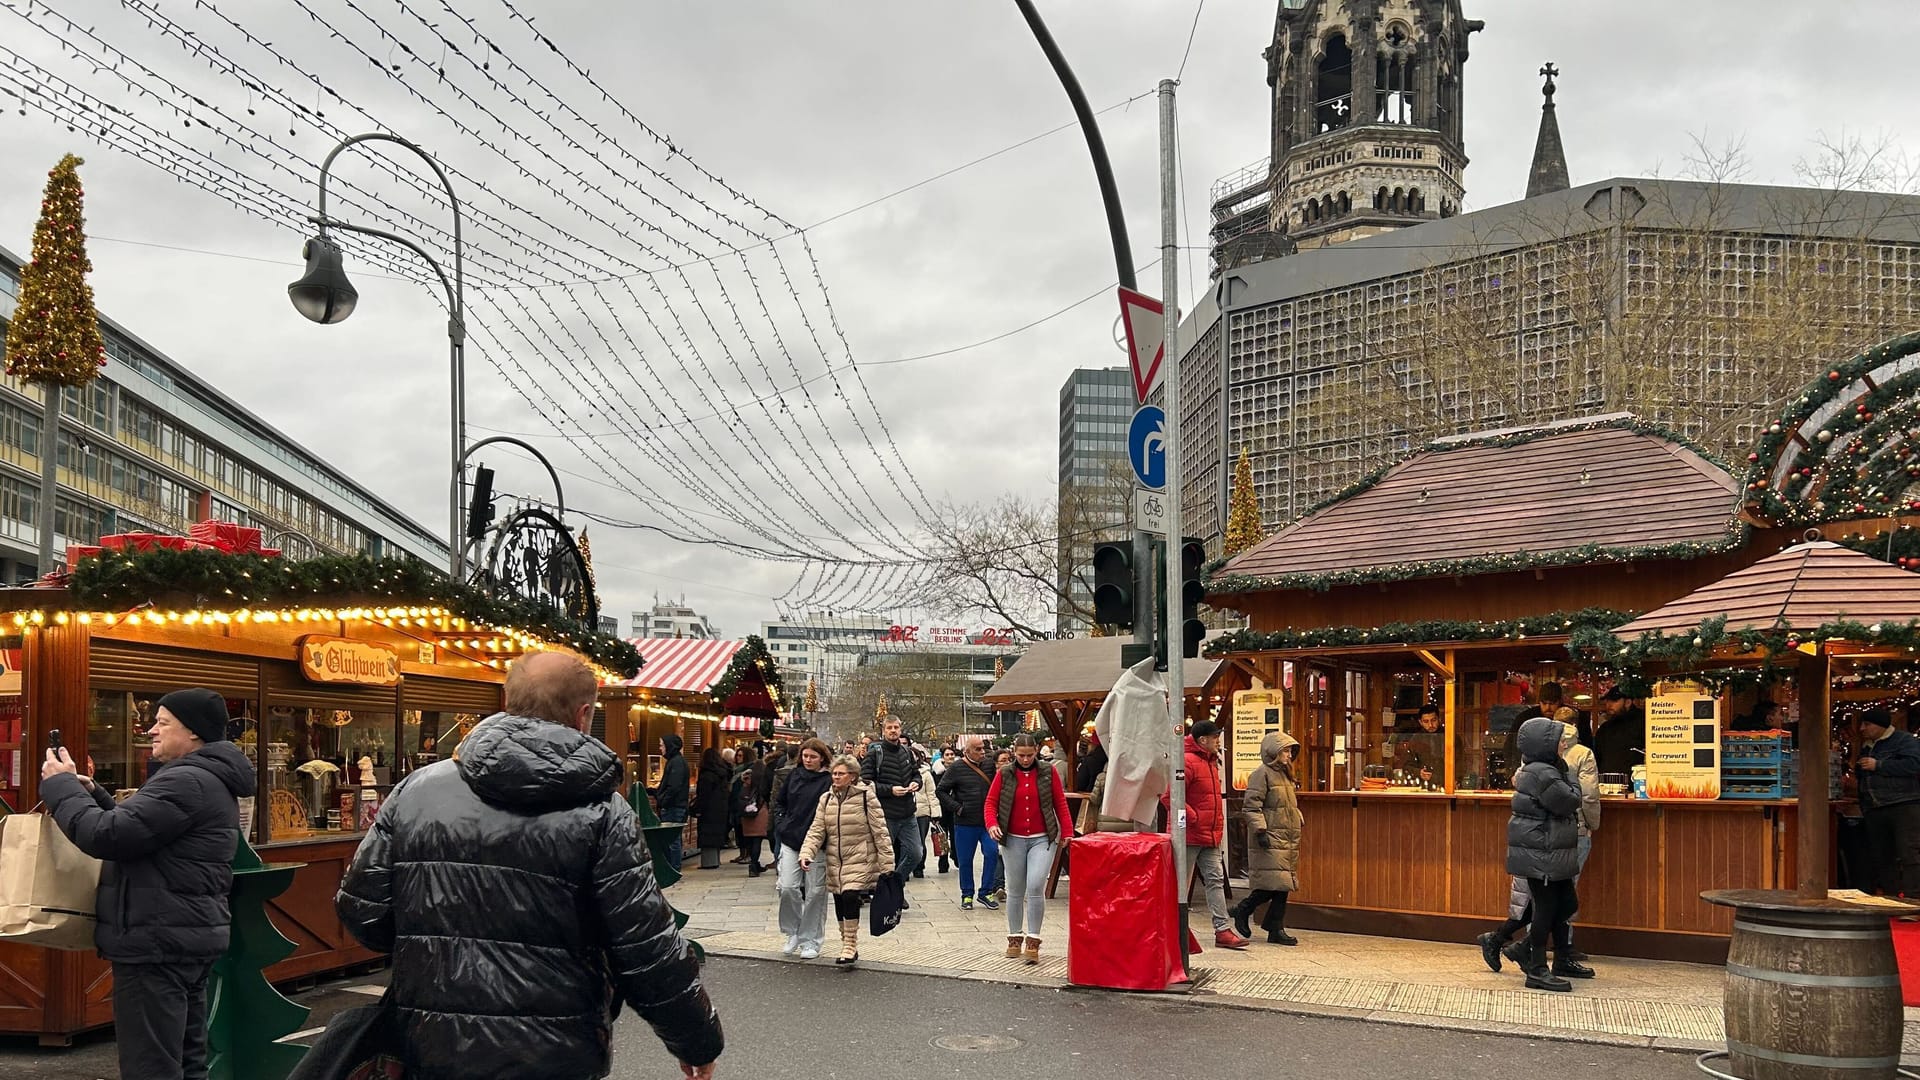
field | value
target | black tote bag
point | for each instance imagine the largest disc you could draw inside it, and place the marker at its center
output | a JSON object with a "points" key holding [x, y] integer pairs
{"points": [[889, 900], [360, 1043]]}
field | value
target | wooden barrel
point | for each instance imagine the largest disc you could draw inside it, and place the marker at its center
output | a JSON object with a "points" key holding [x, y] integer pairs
{"points": [[1812, 995]]}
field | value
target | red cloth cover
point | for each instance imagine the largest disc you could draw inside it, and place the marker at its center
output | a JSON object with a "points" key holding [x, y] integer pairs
{"points": [[1906, 951], [228, 537], [1120, 913], [76, 552], [131, 541]]}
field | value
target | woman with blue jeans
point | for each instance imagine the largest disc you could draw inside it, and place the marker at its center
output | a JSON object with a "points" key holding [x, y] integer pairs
{"points": [[1028, 816]]}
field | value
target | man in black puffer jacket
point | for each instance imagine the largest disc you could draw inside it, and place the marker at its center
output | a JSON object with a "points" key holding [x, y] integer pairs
{"points": [[1543, 848], [895, 775], [514, 892], [168, 854]]}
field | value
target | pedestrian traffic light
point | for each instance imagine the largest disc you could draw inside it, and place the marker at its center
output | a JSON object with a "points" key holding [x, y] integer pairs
{"points": [[1113, 585], [1193, 555], [480, 507]]}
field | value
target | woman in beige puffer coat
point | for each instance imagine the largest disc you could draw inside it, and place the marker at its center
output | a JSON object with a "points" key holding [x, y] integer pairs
{"points": [[1272, 815], [850, 831]]}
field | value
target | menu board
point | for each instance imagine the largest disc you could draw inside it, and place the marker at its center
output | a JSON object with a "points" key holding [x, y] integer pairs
{"points": [[1683, 746], [1256, 714]]}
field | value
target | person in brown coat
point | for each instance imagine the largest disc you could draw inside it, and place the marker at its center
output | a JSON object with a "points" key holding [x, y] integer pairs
{"points": [[1272, 815], [756, 813], [850, 831]]}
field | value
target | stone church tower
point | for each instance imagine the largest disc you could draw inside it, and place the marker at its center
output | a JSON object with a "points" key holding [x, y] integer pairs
{"points": [[1366, 116]]}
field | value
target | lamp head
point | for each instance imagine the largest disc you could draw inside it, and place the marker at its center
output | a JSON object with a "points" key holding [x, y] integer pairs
{"points": [[323, 293]]}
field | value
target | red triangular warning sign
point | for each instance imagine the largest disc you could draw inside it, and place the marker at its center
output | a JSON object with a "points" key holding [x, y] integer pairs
{"points": [[1145, 322]]}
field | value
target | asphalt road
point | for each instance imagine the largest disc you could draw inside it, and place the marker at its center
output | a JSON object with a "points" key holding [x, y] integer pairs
{"points": [[818, 1023]]}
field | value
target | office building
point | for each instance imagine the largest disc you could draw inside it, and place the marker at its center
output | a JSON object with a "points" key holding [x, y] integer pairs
{"points": [[149, 446], [673, 619], [1096, 486]]}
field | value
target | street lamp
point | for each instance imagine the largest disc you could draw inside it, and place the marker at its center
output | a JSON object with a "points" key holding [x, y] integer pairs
{"points": [[324, 295]]}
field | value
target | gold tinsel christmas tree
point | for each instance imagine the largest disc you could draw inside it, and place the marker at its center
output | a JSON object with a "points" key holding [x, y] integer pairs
{"points": [[813, 696], [880, 710], [54, 338], [1243, 510]]}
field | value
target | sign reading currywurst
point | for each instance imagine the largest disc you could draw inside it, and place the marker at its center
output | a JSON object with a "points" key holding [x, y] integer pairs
{"points": [[340, 660]]}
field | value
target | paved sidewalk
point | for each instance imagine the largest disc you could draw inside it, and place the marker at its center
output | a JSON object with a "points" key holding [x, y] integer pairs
{"points": [[1421, 983]]}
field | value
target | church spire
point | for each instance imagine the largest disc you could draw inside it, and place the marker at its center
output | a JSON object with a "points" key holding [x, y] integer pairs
{"points": [[1549, 172]]}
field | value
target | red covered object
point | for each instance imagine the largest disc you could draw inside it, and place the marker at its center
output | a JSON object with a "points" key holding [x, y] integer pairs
{"points": [[1120, 913], [133, 541], [228, 537], [1906, 950], [76, 552]]}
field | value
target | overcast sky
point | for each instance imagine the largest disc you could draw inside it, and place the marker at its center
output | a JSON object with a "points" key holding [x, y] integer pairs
{"points": [[815, 109]]}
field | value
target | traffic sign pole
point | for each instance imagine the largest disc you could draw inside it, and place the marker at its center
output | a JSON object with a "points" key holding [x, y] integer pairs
{"points": [[1176, 681]]}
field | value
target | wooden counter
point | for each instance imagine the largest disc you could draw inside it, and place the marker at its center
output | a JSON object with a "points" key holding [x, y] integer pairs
{"points": [[1433, 866], [56, 995]]}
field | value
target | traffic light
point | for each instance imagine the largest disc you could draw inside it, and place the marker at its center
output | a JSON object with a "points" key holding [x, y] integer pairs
{"points": [[1113, 585], [480, 506], [1193, 555]]}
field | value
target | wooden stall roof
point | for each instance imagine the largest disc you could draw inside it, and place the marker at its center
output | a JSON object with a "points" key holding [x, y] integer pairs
{"points": [[1801, 587], [1078, 668], [1604, 484]]}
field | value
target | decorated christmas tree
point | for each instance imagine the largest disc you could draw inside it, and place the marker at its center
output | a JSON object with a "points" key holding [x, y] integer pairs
{"points": [[1243, 510], [880, 710], [813, 697], [54, 337]]}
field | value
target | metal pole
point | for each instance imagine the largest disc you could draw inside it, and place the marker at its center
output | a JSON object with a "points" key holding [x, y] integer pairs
{"points": [[1176, 680], [456, 323], [49, 480]]}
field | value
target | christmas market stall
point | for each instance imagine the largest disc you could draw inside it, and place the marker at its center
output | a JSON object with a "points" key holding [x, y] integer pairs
{"points": [[342, 675], [707, 691], [1403, 630]]}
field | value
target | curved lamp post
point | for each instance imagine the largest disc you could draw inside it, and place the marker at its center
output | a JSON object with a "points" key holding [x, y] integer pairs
{"points": [[324, 295], [460, 472]]}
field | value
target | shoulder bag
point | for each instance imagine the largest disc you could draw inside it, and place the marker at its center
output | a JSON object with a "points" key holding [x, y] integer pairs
{"points": [[889, 892]]}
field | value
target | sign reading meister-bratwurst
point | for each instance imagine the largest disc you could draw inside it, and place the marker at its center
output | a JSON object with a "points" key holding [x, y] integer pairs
{"points": [[342, 660]]}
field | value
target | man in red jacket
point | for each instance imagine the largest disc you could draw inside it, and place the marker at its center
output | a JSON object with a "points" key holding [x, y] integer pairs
{"points": [[1206, 827]]}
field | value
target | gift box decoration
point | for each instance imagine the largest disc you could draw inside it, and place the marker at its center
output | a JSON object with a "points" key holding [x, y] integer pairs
{"points": [[76, 552], [227, 536]]}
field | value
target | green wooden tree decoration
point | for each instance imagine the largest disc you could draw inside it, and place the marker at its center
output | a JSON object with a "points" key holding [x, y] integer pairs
{"points": [[1243, 511], [245, 1014], [659, 840]]}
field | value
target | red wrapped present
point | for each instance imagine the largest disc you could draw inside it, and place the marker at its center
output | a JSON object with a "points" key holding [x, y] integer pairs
{"points": [[268, 553], [228, 537], [76, 552], [131, 541], [177, 543], [1123, 890]]}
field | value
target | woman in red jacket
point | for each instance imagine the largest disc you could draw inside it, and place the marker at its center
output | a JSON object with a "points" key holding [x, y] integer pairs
{"points": [[1028, 816]]}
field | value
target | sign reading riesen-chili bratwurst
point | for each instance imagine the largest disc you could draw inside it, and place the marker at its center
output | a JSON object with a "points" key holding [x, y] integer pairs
{"points": [[341, 660]]}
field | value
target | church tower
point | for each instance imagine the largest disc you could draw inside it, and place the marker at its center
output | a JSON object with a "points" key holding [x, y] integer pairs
{"points": [[1366, 116]]}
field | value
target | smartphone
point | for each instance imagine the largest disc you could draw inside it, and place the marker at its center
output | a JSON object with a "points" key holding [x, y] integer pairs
{"points": [[53, 740]]}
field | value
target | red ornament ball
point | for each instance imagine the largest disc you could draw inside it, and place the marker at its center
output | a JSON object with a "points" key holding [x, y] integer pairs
{"points": [[1833, 376]]}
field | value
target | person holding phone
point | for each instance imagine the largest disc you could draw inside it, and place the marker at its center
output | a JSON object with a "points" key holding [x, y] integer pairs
{"points": [[167, 856], [895, 775]]}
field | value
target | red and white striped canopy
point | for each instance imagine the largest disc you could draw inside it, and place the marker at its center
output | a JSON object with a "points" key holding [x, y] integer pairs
{"points": [[740, 723], [687, 665]]}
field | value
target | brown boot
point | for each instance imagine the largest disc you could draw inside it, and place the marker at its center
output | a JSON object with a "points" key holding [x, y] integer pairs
{"points": [[849, 942], [1032, 951], [1014, 944]]}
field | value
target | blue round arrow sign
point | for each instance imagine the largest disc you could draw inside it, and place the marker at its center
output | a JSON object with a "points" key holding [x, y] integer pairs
{"points": [[1147, 446]]}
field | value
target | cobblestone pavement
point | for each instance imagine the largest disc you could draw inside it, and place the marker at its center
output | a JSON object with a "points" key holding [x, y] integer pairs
{"points": [[1422, 983]]}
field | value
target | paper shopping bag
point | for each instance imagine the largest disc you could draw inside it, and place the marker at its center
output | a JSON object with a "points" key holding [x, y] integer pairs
{"points": [[47, 885]]}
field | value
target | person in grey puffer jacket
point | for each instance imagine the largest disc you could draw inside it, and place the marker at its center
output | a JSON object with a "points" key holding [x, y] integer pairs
{"points": [[1543, 844]]}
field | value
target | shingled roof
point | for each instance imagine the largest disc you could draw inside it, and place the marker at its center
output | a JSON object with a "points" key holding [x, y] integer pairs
{"points": [[1592, 489], [1800, 588]]}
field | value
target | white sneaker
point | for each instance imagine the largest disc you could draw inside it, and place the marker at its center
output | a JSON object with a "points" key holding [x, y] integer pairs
{"points": [[809, 951], [792, 946]]}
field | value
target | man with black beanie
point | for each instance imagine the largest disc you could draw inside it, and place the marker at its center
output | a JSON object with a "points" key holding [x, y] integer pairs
{"points": [[168, 854]]}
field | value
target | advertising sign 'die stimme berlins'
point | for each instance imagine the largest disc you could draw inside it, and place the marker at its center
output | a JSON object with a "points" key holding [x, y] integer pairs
{"points": [[340, 660]]}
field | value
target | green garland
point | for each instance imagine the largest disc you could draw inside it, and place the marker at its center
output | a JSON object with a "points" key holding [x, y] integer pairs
{"points": [[1786, 507], [1693, 647], [1487, 564], [1420, 633], [118, 580], [746, 658], [1474, 565]]}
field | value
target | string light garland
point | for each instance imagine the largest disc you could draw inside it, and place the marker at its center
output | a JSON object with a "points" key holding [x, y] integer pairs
{"points": [[1853, 460], [1432, 631], [751, 655], [54, 336], [191, 580], [1690, 648]]}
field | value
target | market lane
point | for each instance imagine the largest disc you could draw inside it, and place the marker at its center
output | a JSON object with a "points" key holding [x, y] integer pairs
{"points": [[818, 1022]]}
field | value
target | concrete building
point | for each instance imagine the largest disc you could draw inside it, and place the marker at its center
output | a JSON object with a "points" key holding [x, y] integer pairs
{"points": [[1096, 404], [822, 645], [150, 446], [1356, 313], [673, 619]]}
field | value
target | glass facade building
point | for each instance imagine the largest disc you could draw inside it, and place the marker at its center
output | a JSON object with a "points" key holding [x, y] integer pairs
{"points": [[148, 446], [1096, 405]]}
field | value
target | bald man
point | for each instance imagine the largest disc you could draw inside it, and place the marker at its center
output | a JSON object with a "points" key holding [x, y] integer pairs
{"points": [[509, 883]]}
